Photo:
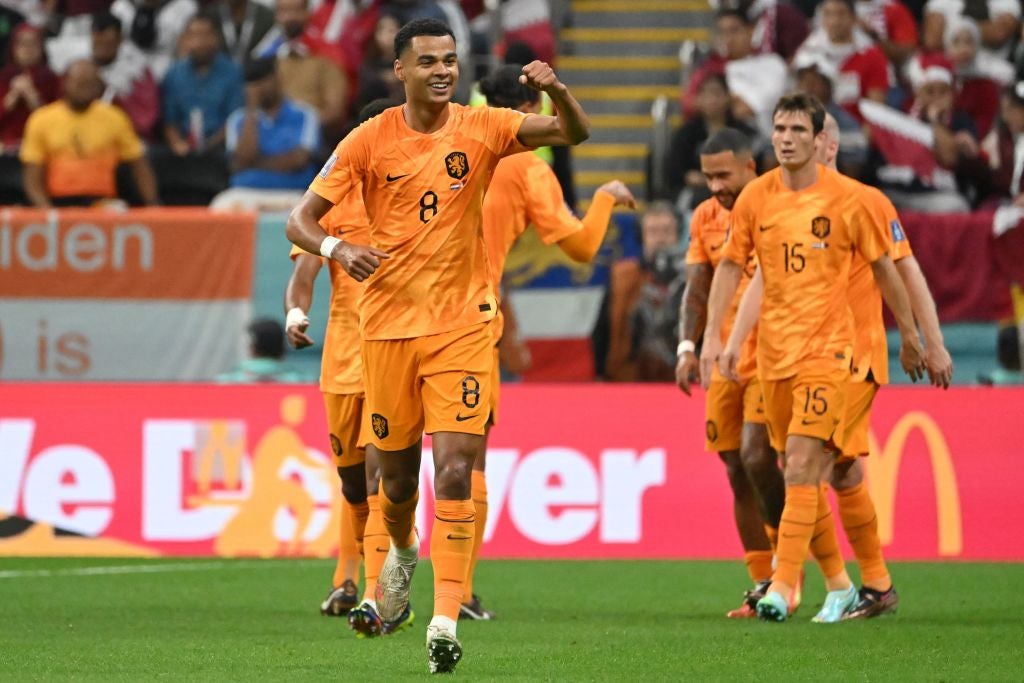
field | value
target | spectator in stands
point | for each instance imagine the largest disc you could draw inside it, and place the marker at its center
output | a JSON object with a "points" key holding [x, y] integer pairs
{"points": [[980, 76], [756, 81], [779, 26], [124, 70], [998, 20], [1004, 146], [70, 23], [73, 146], [309, 68], [26, 84], [243, 24], [266, 357], [862, 67], [377, 74], [272, 141], [641, 312], [525, 21], [816, 76], [712, 114], [11, 18], [961, 177], [155, 27], [200, 91], [349, 26], [891, 25]]}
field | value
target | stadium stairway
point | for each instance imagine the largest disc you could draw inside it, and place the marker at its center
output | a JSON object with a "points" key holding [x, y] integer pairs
{"points": [[618, 57]]}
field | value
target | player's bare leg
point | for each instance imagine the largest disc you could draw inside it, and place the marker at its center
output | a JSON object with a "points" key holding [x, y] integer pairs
{"points": [[805, 462], [749, 526], [471, 606], [857, 512], [451, 541]]}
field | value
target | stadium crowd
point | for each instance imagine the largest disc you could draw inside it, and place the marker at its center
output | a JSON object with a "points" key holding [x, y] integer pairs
{"points": [[207, 94]]}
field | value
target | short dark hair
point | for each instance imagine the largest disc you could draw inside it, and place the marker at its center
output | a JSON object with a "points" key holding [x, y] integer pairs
{"points": [[502, 88], [419, 27], [802, 102], [518, 52], [375, 108], [266, 336], [104, 20], [727, 140], [733, 12], [849, 5]]}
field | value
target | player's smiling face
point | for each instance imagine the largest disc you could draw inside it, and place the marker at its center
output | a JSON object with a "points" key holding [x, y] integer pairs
{"points": [[793, 139], [429, 68]]}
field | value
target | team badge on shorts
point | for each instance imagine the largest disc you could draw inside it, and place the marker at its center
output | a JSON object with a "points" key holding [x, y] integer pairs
{"points": [[821, 227], [335, 445], [711, 431], [380, 425], [457, 164]]}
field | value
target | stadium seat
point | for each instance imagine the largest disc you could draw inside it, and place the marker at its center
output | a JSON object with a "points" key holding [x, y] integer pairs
{"points": [[192, 180], [12, 190]]}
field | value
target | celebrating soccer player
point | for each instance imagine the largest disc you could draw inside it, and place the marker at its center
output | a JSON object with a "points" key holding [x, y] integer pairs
{"points": [[428, 305], [804, 221]]}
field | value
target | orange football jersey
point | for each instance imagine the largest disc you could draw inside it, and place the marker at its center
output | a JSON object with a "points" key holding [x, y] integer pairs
{"points": [[804, 242], [524, 191], [709, 228], [870, 348], [341, 368], [423, 194]]}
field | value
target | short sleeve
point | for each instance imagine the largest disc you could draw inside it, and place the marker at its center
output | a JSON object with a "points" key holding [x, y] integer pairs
{"points": [[297, 251], [869, 231], [33, 146], [740, 240], [695, 253], [546, 205], [346, 166], [501, 134], [129, 146]]}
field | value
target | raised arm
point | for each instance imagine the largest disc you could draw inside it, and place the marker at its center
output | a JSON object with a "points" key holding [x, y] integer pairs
{"points": [[896, 298], [569, 127], [936, 358], [582, 246]]}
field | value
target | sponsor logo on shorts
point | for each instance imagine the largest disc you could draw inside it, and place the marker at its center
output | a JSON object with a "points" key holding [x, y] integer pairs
{"points": [[462, 418], [335, 445], [711, 431], [380, 425]]}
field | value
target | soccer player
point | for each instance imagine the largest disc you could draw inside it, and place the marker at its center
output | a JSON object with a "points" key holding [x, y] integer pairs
{"points": [[341, 381], [734, 410], [871, 369], [804, 221], [427, 308], [523, 192]]}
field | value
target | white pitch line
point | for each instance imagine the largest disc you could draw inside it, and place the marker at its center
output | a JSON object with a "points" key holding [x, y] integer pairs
{"points": [[146, 568]]}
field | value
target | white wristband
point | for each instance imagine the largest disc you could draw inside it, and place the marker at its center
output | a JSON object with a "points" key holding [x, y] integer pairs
{"points": [[328, 245], [684, 346], [295, 316]]}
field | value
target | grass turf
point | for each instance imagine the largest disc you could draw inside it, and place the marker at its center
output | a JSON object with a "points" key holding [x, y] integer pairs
{"points": [[557, 621]]}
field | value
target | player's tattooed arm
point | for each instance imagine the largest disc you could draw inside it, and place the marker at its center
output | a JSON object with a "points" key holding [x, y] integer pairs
{"points": [[936, 358], [898, 301], [570, 127], [693, 311]]}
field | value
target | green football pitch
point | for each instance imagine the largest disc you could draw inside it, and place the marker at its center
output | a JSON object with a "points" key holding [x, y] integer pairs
{"points": [[107, 620]]}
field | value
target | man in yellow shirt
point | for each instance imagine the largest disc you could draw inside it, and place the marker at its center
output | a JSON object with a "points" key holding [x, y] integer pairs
{"points": [[73, 146]]}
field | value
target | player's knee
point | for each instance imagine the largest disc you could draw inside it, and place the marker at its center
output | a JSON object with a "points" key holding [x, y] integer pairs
{"points": [[804, 462], [353, 483], [400, 488], [372, 481], [734, 470], [847, 474], [452, 478]]}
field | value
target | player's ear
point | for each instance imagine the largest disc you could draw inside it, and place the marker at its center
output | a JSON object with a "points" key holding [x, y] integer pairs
{"points": [[399, 72]]}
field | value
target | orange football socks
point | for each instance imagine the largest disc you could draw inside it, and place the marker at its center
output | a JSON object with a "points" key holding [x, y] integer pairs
{"points": [[451, 547]]}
